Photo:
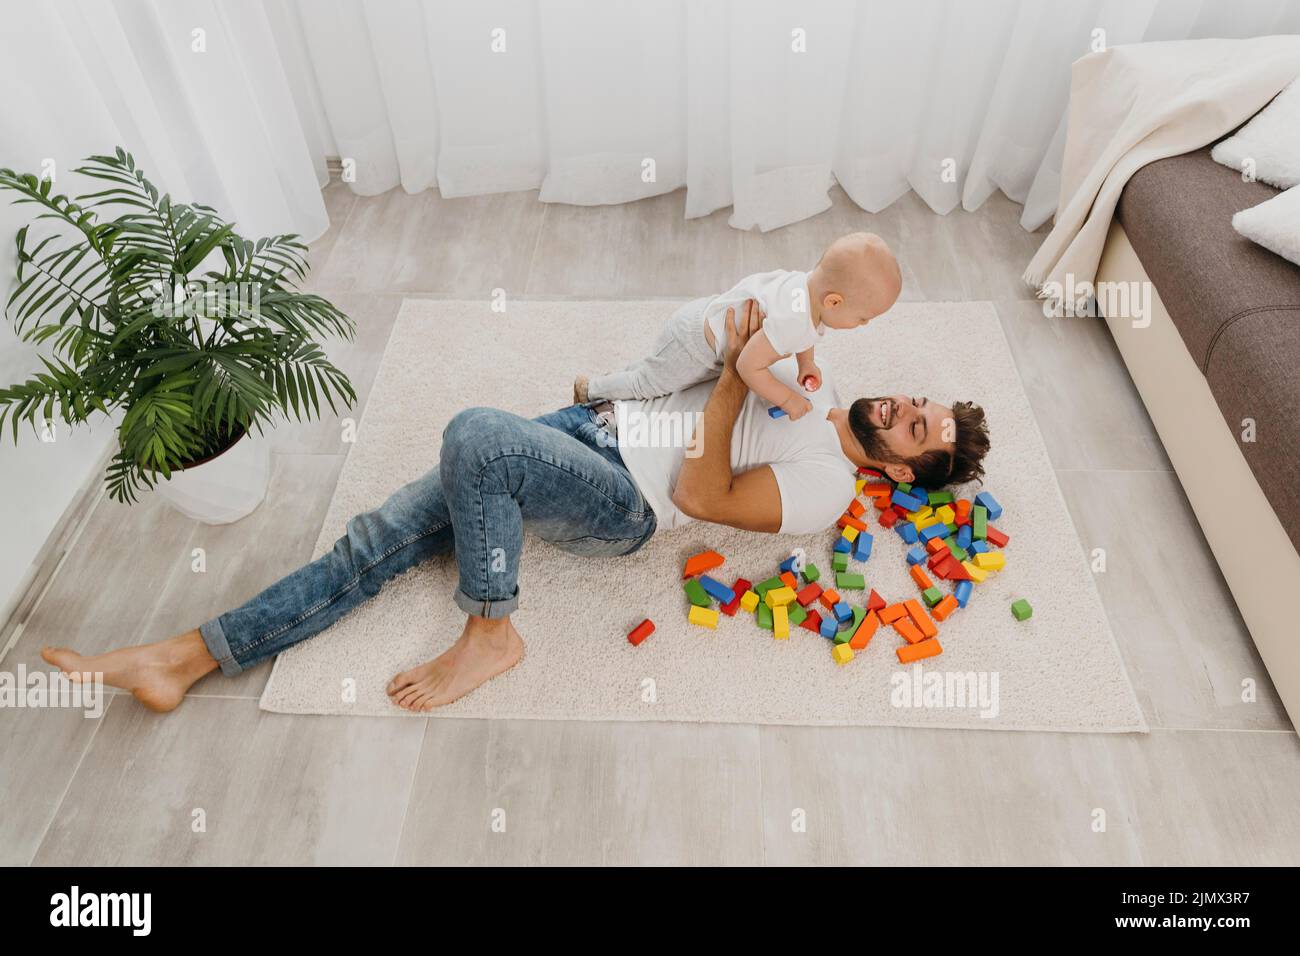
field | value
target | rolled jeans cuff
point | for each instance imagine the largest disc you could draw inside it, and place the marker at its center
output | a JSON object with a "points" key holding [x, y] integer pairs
{"points": [[488, 609], [214, 636]]}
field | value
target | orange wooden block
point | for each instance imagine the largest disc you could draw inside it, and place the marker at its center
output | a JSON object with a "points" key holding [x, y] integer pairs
{"points": [[920, 618], [877, 489], [935, 545], [892, 613], [918, 652], [865, 631], [882, 503], [945, 607], [829, 598], [790, 581], [856, 508], [848, 521], [907, 630], [921, 578], [699, 563]]}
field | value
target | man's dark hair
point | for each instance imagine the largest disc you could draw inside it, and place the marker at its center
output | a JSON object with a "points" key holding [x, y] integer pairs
{"points": [[934, 469]]}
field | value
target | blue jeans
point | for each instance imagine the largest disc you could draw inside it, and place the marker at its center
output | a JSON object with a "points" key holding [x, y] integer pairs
{"points": [[560, 475]]}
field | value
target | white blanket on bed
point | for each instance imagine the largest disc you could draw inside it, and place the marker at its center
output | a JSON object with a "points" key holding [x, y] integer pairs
{"points": [[1132, 105]]}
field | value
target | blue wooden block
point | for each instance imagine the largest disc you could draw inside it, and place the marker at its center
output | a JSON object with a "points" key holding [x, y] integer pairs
{"points": [[920, 494], [717, 590], [862, 547], [776, 412], [964, 535], [907, 531], [962, 592], [991, 503], [788, 564], [936, 530], [979, 547], [916, 555], [907, 502], [828, 628], [842, 545], [843, 613]]}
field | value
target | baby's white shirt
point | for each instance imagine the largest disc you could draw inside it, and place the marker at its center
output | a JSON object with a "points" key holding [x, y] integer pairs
{"points": [[785, 301]]}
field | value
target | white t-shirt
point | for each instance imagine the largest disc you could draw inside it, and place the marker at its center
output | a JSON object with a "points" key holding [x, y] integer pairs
{"points": [[784, 298], [814, 477]]}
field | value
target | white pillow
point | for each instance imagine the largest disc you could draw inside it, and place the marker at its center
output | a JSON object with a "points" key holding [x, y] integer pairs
{"points": [[1271, 141], [1274, 224]]}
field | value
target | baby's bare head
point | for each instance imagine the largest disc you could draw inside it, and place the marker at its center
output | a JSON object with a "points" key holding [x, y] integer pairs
{"points": [[856, 280]]}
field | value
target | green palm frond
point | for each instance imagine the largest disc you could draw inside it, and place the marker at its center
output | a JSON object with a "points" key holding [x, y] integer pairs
{"points": [[112, 288]]}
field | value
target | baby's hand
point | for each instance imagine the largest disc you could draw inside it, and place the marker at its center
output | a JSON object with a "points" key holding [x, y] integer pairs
{"points": [[796, 406], [810, 377]]}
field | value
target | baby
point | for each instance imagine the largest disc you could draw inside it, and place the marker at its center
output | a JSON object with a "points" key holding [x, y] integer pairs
{"points": [[856, 279]]}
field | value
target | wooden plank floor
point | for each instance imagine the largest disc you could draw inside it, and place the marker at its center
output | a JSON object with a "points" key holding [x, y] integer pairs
{"points": [[1214, 782]]}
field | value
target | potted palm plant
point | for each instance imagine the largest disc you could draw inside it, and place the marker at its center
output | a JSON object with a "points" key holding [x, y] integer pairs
{"points": [[162, 314]]}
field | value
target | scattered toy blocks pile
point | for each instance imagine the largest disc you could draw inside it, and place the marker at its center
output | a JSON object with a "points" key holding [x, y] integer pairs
{"points": [[950, 538]]}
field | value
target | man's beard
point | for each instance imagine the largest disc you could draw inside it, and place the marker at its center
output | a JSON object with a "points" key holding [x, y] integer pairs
{"points": [[868, 433]]}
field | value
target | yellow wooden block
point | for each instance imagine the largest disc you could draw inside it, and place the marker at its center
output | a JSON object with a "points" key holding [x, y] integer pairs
{"points": [[991, 561], [977, 574], [780, 622], [749, 601], [704, 617], [842, 653], [779, 597], [946, 514], [850, 534], [859, 485], [920, 514], [924, 523]]}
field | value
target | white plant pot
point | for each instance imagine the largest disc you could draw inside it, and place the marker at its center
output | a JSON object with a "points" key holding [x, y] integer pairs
{"points": [[222, 489]]}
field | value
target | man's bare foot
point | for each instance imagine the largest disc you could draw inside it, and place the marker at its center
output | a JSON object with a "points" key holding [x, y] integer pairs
{"points": [[580, 396], [157, 675], [484, 649]]}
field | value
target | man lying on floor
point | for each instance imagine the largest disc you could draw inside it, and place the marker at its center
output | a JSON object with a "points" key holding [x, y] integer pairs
{"points": [[564, 478]]}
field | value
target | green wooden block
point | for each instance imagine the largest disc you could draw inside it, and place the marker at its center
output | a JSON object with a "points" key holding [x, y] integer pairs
{"points": [[952, 527], [797, 615], [695, 591], [932, 596], [955, 549], [765, 617], [848, 581], [840, 561], [764, 586], [980, 522], [858, 614], [904, 486], [810, 572], [844, 636], [1022, 610], [938, 498]]}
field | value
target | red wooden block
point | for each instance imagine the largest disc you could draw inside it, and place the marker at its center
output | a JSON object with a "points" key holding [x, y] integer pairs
{"points": [[938, 558], [740, 587], [875, 602], [641, 632], [944, 569], [809, 594], [958, 572], [888, 517], [996, 537], [813, 622], [882, 503]]}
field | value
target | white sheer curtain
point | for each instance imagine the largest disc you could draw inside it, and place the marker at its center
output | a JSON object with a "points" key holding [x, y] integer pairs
{"points": [[755, 104]]}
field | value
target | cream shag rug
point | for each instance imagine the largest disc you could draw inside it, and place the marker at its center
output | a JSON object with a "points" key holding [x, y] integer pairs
{"points": [[1059, 671]]}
